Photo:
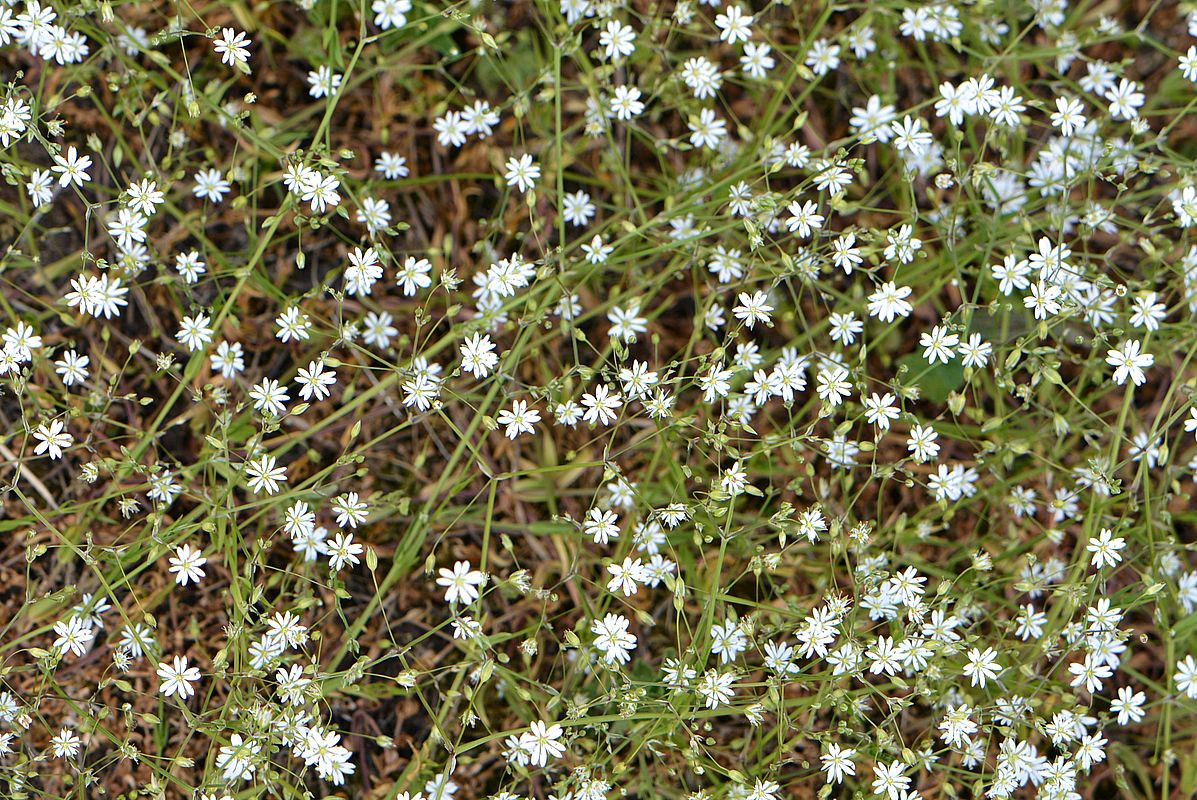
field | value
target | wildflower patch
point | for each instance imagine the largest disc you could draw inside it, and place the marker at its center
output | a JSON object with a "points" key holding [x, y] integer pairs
{"points": [[584, 399]]}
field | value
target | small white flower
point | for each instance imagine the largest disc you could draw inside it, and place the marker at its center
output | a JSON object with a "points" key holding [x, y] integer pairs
{"points": [[177, 678], [232, 46], [734, 25], [461, 583], [519, 419], [187, 565], [541, 742], [1129, 362], [1068, 116], [522, 173], [73, 168], [264, 474], [478, 356], [52, 439], [612, 638], [982, 666]]}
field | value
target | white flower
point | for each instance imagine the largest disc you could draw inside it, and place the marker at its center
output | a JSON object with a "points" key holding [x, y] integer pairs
{"points": [[823, 56], [480, 119], [889, 301], [477, 355], [888, 780], [65, 744], [292, 325], [837, 762], [601, 406], [391, 165], [72, 367], [734, 480], [1105, 548], [363, 271], [577, 208], [975, 352], [832, 385], [601, 525], [1188, 64], [210, 185], [1006, 107], [625, 104], [1068, 116], [264, 474], [1186, 677], [716, 687], [461, 583], [315, 380], [753, 309], [757, 60], [728, 641], [1125, 99], [1089, 673], [228, 359], [414, 275], [617, 40], [707, 130], [734, 25], [450, 129], [38, 187], [519, 419], [323, 82], [702, 77], [145, 196], [350, 509], [232, 46], [803, 218], [74, 635], [872, 121], [390, 13], [938, 345], [269, 397], [321, 193], [1043, 300], [626, 577], [626, 322], [186, 564], [1128, 706], [982, 666], [1129, 362], [52, 439], [910, 134], [612, 638], [1147, 312], [540, 742], [73, 168], [880, 410], [237, 758], [342, 550], [522, 173], [177, 678]]}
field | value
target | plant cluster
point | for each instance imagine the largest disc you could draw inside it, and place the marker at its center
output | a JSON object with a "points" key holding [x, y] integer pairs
{"points": [[589, 399]]}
